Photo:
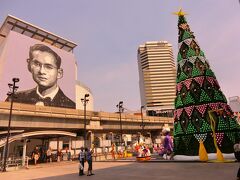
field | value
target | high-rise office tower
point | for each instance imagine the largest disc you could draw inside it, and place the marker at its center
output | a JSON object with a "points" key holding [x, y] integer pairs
{"points": [[157, 76]]}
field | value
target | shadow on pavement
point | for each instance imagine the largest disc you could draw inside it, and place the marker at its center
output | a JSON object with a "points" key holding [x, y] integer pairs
{"points": [[168, 171]]}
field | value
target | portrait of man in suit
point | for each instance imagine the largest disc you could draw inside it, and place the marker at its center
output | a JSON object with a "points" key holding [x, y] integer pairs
{"points": [[45, 66]]}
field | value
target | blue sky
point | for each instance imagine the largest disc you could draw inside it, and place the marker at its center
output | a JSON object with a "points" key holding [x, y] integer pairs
{"points": [[108, 33]]}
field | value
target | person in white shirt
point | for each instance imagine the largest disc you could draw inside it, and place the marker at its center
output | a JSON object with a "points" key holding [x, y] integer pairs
{"points": [[82, 159]]}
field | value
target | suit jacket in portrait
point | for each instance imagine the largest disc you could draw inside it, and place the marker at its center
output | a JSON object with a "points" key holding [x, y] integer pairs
{"points": [[31, 97]]}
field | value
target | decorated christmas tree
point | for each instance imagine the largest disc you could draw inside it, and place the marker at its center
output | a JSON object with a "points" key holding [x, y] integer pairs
{"points": [[202, 117]]}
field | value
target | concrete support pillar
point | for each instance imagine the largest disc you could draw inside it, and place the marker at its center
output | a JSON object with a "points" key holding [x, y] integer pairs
{"points": [[73, 145], [43, 142], [112, 137], [91, 139], [125, 139], [70, 143], [24, 151], [103, 139], [150, 137], [58, 144], [88, 139], [104, 136], [139, 137], [104, 147], [4, 149]]}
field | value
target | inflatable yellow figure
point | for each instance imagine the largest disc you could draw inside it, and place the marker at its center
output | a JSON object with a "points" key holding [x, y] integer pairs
{"points": [[203, 156], [213, 125]]}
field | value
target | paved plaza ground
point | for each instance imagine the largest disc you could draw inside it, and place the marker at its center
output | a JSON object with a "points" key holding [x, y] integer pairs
{"points": [[128, 171]]}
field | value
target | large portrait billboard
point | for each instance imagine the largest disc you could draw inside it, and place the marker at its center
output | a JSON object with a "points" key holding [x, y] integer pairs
{"points": [[46, 73]]}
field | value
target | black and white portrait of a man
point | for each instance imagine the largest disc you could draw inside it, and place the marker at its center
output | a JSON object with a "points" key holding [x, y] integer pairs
{"points": [[45, 66]]}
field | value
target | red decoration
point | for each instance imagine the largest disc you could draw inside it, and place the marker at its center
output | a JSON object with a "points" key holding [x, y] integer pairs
{"points": [[201, 108], [219, 138], [199, 80], [213, 106], [187, 83], [211, 80], [189, 110], [179, 87], [179, 112]]}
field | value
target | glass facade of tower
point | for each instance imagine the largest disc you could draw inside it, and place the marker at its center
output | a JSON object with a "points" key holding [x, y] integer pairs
{"points": [[157, 76]]}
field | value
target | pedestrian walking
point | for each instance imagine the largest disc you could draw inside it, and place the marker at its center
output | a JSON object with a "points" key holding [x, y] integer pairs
{"points": [[59, 155], [43, 154], [69, 155], [35, 155], [113, 151], [49, 155], [81, 159], [105, 152], [89, 160], [167, 144]]}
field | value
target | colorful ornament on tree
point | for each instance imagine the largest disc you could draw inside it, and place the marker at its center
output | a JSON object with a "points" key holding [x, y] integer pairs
{"points": [[178, 101], [189, 99], [221, 124], [218, 95], [186, 140], [179, 112], [195, 72], [201, 137], [178, 129], [191, 129], [204, 97], [205, 127], [189, 110], [231, 136], [199, 80], [187, 83], [219, 138]]}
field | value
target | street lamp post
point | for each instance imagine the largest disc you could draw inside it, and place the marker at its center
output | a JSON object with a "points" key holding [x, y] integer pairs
{"points": [[120, 110], [142, 125], [85, 101], [11, 93]]}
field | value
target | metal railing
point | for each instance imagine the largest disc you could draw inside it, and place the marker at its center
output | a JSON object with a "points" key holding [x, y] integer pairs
{"points": [[15, 163]]}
